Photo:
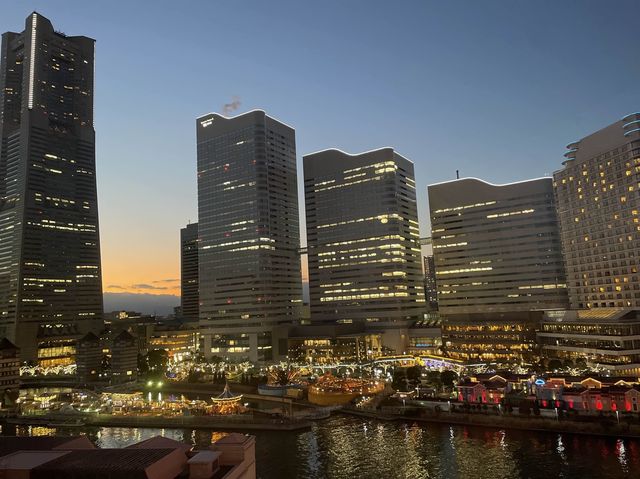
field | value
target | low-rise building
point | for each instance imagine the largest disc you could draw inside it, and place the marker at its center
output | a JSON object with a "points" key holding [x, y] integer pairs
{"points": [[595, 400], [88, 358], [485, 392], [605, 338], [491, 337], [425, 336], [53, 457], [493, 388], [332, 343], [9, 371], [178, 338], [124, 358]]}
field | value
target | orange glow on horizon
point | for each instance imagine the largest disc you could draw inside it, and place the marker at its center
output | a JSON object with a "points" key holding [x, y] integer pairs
{"points": [[140, 267]]}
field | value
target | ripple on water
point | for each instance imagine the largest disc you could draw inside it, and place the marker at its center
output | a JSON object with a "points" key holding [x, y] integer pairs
{"points": [[352, 448]]}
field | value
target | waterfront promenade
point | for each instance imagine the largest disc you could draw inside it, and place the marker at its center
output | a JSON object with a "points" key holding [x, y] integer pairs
{"points": [[227, 423], [601, 427]]}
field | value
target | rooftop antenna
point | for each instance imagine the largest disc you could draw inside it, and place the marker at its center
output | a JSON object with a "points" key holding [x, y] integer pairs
{"points": [[457, 174]]}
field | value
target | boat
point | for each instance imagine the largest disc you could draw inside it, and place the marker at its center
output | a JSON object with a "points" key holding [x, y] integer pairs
{"points": [[276, 391], [331, 391]]}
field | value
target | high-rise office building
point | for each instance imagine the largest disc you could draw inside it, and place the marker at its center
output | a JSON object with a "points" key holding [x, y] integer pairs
{"points": [[363, 240], [598, 197], [249, 235], [50, 276], [189, 298], [430, 288], [496, 247]]}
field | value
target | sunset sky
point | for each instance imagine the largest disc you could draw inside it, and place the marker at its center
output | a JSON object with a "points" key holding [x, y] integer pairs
{"points": [[495, 89]]}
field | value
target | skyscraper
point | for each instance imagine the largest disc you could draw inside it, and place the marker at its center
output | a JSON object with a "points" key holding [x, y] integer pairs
{"points": [[496, 247], [189, 271], [363, 240], [498, 266], [249, 235], [50, 276], [598, 197], [430, 288]]}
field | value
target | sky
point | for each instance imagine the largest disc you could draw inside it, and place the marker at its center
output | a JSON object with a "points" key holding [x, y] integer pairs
{"points": [[494, 89]]}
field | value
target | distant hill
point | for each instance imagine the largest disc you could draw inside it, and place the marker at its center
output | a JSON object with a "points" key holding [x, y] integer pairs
{"points": [[160, 304]]}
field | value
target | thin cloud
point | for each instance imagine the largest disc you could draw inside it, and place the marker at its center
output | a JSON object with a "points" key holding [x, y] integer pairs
{"points": [[165, 281], [147, 286]]}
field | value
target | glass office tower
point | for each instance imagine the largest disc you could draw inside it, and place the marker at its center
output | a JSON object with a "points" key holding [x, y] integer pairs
{"points": [[363, 241], [249, 236]]}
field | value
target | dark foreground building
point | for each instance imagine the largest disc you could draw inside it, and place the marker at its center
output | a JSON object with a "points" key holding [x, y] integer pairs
{"points": [[50, 278], [57, 457], [189, 272]]}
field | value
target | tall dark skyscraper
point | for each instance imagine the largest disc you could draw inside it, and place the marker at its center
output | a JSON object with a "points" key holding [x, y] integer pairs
{"points": [[363, 241], [50, 276], [430, 288], [248, 231], [189, 271]]}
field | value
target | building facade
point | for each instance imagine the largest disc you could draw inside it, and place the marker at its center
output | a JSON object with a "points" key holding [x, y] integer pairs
{"points": [[363, 241], [598, 199], [332, 343], [499, 338], [249, 238], [9, 372], [50, 276], [605, 338], [124, 358], [189, 297], [89, 358], [430, 285], [496, 247], [179, 339]]}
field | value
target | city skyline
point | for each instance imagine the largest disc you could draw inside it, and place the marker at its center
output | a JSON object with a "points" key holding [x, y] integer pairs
{"points": [[421, 113]]}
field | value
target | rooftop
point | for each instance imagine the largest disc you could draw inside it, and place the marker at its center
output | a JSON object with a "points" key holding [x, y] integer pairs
{"points": [[11, 444], [102, 463]]}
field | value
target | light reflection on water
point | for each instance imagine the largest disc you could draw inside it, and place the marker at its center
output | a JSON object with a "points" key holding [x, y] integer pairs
{"points": [[350, 448]]}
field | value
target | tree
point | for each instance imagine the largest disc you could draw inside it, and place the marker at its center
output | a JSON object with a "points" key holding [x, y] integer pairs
{"points": [[194, 376], [413, 375], [525, 408], [399, 382], [555, 364], [281, 377], [157, 360], [448, 378], [143, 367], [581, 363], [536, 409]]}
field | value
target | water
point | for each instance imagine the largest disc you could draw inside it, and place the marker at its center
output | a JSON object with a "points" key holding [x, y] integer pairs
{"points": [[352, 448]]}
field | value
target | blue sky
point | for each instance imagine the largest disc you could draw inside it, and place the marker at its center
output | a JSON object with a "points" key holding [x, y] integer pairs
{"points": [[495, 89]]}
